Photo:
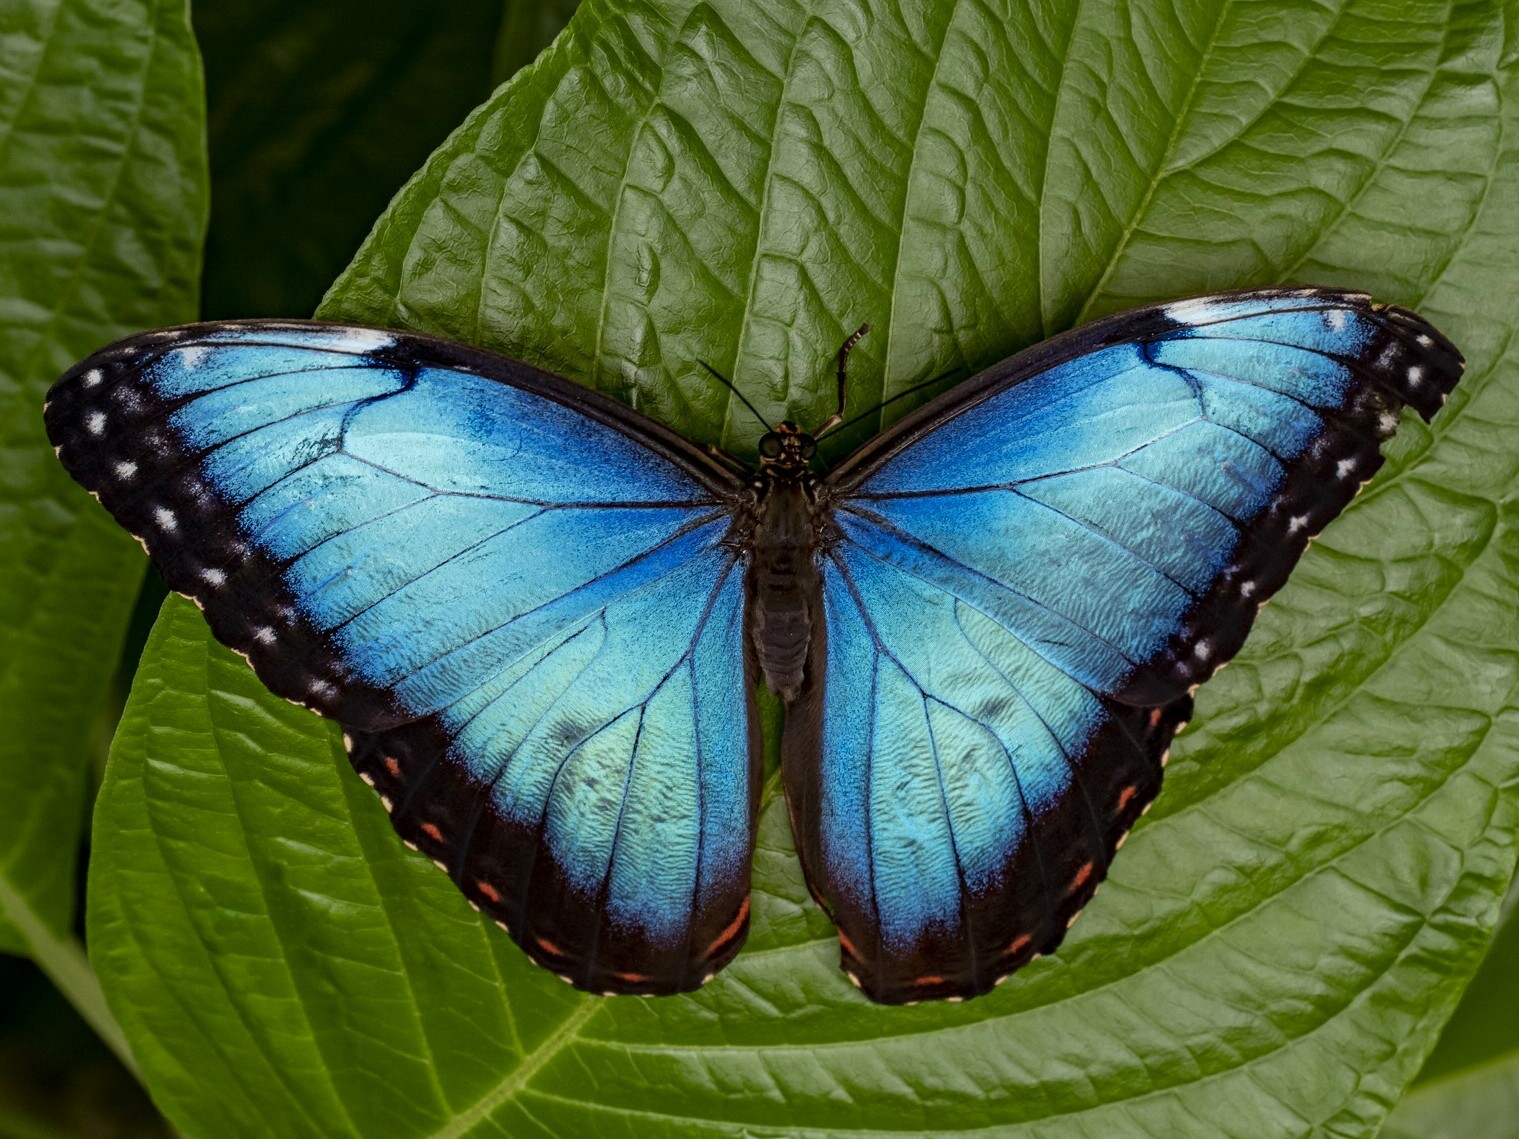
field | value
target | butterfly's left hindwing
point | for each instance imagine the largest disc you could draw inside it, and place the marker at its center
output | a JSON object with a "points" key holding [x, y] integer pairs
{"points": [[1024, 581], [515, 596]]}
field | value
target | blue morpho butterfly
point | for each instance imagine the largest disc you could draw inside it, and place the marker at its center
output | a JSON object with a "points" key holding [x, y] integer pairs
{"points": [[541, 617]]}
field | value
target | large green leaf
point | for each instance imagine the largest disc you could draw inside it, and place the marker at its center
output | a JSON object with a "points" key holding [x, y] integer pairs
{"points": [[102, 208], [742, 182]]}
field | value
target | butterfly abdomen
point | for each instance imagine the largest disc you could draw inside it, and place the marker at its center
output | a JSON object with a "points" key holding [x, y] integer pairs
{"points": [[783, 586]]}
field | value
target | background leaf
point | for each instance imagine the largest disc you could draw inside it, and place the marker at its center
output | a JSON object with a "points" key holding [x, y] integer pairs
{"points": [[1277, 948], [317, 113], [57, 1080], [102, 209], [527, 27]]}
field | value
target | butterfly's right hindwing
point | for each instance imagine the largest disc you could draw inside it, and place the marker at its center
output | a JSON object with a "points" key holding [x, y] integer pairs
{"points": [[515, 596]]}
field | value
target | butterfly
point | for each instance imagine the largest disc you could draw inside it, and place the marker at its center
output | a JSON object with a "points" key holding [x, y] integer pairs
{"points": [[541, 617]]}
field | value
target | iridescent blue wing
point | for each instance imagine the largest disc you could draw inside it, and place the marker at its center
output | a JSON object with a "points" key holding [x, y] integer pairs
{"points": [[514, 594], [1026, 580]]}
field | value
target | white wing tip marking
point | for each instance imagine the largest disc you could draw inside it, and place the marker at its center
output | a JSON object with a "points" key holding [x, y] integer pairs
{"points": [[1190, 312], [362, 339]]}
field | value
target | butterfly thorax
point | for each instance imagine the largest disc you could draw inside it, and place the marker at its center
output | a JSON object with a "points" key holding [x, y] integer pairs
{"points": [[783, 583]]}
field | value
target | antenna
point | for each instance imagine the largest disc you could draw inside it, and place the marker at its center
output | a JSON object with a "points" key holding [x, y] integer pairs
{"points": [[727, 383], [885, 402]]}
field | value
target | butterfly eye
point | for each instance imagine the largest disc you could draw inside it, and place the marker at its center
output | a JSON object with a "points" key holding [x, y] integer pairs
{"points": [[809, 447], [770, 445]]}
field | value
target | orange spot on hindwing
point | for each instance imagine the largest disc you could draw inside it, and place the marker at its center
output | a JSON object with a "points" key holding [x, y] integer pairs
{"points": [[730, 931], [1082, 877]]}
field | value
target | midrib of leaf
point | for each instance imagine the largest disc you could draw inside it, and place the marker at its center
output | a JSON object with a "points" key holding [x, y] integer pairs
{"points": [[1161, 166], [1040, 289], [515, 1081], [730, 401], [937, 55]]}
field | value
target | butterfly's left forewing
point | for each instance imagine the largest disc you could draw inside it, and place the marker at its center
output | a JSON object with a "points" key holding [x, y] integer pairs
{"points": [[1025, 581], [515, 596]]}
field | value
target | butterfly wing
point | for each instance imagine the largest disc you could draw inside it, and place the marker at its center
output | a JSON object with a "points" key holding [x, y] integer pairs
{"points": [[1027, 579], [514, 594]]}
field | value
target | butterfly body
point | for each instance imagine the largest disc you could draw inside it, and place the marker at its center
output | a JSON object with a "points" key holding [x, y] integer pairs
{"points": [[783, 581], [541, 617]]}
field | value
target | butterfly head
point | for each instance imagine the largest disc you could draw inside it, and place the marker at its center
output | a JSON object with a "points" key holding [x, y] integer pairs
{"points": [[786, 451]]}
